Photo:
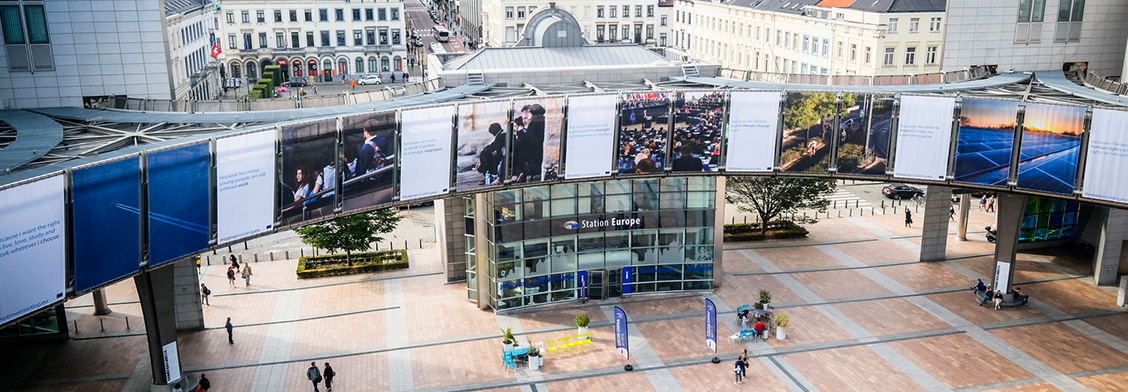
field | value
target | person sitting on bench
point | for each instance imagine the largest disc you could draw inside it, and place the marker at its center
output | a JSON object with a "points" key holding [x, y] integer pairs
{"points": [[759, 328], [987, 294], [979, 286], [1021, 297]]}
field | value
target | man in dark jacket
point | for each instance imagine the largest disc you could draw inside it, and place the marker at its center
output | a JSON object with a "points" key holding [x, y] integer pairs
{"points": [[687, 163], [229, 329], [329, 374], [531, 142], [492, 155], [314, 375], [205, 384]]}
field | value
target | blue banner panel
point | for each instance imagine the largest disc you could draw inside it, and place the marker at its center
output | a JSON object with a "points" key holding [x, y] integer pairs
{"points": [[986, 141], [107, 223], [628, 278], [711, 325], [582, 279], [178, 203], [621, 344]]}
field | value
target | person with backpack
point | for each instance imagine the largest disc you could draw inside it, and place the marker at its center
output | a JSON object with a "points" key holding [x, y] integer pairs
{"points": [[205, 384], [231, 276], [739, 370], [314, 375], [205, 292], [329, 374]]}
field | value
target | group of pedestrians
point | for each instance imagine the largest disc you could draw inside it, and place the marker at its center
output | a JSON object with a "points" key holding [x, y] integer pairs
{"points": [[987, 204], [315, 375], [231, 271]]}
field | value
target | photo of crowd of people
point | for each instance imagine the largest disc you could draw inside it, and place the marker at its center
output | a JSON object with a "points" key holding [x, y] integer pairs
{"points": [[537, 126], [863, 134], [808, 120], [698, 118], [642, 132], [368, 160], [482, 137], [308, 170]]}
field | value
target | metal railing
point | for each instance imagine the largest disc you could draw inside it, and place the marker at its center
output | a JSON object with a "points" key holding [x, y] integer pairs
{"points": [[857, 80]]}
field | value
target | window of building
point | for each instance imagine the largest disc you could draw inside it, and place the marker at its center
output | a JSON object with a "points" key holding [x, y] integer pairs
{"points": [[626, 32], [280, 40], [324, 37], [614, 11], [599, 33], [649, 31], [340, 38], [395, 13], [262, 40], [626, 11], [914, 25], [1031, 14], [339, 13], [779, 37], [323, 15], [795, 41], [892, 25], [309, 39], [520, 12], [368, 14], [930, 55], [295, 40], [293, 15], [662, 39], [1048, 219], [231, 41], [358, 38], [395, 37], [910, 55], [308, 15], [230, 17], [934, 25], [356, 14], [247, 41], [246, 16], [841, 52], [787, 40], [508, 12], [510, 34], [650, 11], [869, 54], [370, 36], [277, 16], [599, 11], [383, 36], [359, 65], [826, 48], [662, 20], [803, 69], [381, 14], [638, 11], [806, 43], [1070, 14], [260, 16], [889, 52]]}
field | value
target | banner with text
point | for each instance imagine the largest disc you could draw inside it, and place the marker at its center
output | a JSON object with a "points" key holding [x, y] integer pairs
{"points": [[753, 121], [179, 209], [711, 325], [32, 247], [590, 139], [106, 213], [924, 133], [1106, 162], [621, 344], [245, 175], [425, 152]]}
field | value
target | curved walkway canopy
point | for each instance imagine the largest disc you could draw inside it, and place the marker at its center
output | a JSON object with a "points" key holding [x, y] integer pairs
{"points": [[40, 134]]}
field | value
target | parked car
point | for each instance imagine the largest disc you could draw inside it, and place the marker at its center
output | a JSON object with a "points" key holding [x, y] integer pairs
{"points": [[296, 83], [418, 42], [370, 79], [901, 191]]}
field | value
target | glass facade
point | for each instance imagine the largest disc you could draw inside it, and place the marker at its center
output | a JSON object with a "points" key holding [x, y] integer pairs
{"points": [[1048, 219], [600, 239]]}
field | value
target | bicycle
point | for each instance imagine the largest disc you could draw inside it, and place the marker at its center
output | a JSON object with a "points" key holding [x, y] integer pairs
{"points": [[918, 199]]}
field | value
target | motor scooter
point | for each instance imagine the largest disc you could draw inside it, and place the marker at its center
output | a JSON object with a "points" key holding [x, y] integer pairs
{"points": [[991, 234]]}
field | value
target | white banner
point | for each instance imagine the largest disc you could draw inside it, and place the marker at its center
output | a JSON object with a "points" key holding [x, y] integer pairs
{"points": [[1107, 158], [245, 186], [171, 362], [32, 247], [753, 122], [1002, 276], [924, 134], [590, 140], [425, 152]]}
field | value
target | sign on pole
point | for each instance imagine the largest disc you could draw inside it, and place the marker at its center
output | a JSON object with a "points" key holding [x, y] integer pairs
{"points": [[1002, 276], [621, 333], [711, 325], [582, 277], [628, 278]]}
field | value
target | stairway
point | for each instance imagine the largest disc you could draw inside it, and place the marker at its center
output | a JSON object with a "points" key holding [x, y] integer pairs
{"points": [[690, 71]]}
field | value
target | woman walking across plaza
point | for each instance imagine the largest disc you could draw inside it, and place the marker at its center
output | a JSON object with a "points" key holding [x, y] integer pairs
{"points": [[247, 274], [908, 218], [231, 276]]}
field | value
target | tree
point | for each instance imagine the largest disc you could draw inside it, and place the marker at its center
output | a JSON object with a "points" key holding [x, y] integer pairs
{"points": [[350, 233], [772, 197], [805, 110]]}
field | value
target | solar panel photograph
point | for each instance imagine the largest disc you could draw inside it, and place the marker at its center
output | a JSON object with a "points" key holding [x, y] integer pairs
{"points": [[1051, 145], [986, 140]]}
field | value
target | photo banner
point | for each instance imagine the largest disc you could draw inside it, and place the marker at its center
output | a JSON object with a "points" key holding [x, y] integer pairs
{"points": [[482, 137], [368, 160], [179, 209], [32, 247], [537, 124], [863, 134], [698, 120], [106, 213], [590, 136], [1051, 146], [309, 170], [924, 133], [753, 121], [986, 141], [425, 152], [1106, 162], [808, 131], [621, 344], [711, 325], [642, 133], [245, 185]]}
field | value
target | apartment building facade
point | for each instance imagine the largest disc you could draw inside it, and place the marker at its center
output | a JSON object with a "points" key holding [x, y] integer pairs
{"points": [[644, 22], [190, 29]]}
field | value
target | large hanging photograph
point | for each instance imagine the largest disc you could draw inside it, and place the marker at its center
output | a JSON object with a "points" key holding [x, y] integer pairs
{"points": [[986, 141], [863, 134], [753, 123], [482, 145], [642, 133], [309, 170], [1051, 146], [808, 120], [1106, 160], [537, 124], [368, 156], [698, 122]]}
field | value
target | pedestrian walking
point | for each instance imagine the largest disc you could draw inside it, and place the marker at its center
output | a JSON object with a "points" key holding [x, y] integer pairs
{"points": [[234, 262], [314, 374], [231, 276], [315, 89], [406, 77], [354, 84], [230, 328], [951, 213], [205, 292], [329, 374], [205, 384], [744, 358], [908, 218], [991, 204], [739, 371], [247, 274], [983, 203]]}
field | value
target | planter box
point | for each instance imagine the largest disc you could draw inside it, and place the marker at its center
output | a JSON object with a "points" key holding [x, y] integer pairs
{"points": [[309, 267], [751, 232]]}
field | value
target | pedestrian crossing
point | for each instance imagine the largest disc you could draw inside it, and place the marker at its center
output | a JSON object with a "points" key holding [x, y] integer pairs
{"points": [[415, 9], [844, 199]]}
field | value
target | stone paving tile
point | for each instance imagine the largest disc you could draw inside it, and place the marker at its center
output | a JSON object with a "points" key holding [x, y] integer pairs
{"points": [[850, 369], [808, 326], [890, 316], [659, 305], [975, 245], [355, 373], [1041, 387], [250, 308], [1106, 382], [344, 298], [719, 377], [876, 252], [1062, 347], [449, 318], [86, 358], [1116, 324], [830, 285], [735, 261], [210, 347], [834, 229], [458, 363], [427, 289], [364, 331], [895, 223], [684, 338], [599, 354], [236, 379], [510, 389], [94, 386], [559, 316], [90, 325], [949, 357], [1071, 296], [797, 258], [633, 382], [925, 276], [983, 265], [964, 304], [741, 290]]}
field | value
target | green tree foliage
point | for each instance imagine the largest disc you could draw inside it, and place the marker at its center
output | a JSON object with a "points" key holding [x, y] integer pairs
{"points": [[804, 110], [771, 197], [350, 233]]}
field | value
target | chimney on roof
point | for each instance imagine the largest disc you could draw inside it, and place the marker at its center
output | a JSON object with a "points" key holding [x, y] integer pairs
{"points": [[552, 5]]}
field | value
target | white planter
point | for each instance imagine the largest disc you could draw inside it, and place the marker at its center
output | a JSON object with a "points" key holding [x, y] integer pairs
{"points": [[534, 363], [582, 330], [506, 347], [781, 333]]}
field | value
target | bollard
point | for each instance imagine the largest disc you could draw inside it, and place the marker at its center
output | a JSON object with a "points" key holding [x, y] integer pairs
{"points": [[745, 219], [256, 257], [287, 254], [804, 215], [301, 251], [404, 244], [420, 243], [102, 324], [228, 248], [127, 323], [209, 259], [271, 256], [245, 245], [76, 327], [851, 212], [839, 213], [856, 203]]}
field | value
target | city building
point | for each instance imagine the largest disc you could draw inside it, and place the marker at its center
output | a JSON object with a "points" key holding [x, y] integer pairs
{"points": [[1036, 34], [329, 40], [190, 26], [819, 37], [73, 53], [644, 22]]}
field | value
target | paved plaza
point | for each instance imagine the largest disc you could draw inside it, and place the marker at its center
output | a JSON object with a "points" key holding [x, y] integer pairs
{"points": [[865, 316]]}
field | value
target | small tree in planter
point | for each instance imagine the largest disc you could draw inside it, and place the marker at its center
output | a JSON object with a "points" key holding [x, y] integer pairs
{"points": [[350, 233], [507, 339], [582, 320], [535, 359], [765, 299], [781, 322]]}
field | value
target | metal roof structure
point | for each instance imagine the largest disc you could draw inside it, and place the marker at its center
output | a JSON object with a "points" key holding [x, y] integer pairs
{"points": [[28, 146], [529, 57]]}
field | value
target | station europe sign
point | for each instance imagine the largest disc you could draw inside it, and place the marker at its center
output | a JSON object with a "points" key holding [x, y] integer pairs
{"points": [[617, 223]]}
